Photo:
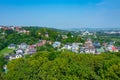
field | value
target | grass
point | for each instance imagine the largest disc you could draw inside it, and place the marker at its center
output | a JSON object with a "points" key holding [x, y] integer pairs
{"points": [[6, 51]]}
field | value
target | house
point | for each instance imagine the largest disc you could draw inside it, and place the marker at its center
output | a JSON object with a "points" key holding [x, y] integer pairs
{"points": [[41, 43], [90, 49], [56, 44], [88, 43], [67, 46], [96, 45], [31, 50], [7, 28], [12, 46], [15, 56], [75, 47], [17, 29], [31, 46], [82, 50], [86, 33], [19, 51], [64, 36], [112, 48], [24, 31], [44, 42], [100, 50], [46, 34], [49, 42], [23, 46], [111, 43], [12, 27], [118, 48], [104, 45], [73, 50]]}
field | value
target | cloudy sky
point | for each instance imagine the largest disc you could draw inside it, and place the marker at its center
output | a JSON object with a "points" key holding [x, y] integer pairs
{"points": [[61, 13]]}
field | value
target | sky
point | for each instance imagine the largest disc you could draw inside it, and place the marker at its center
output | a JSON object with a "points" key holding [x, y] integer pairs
{"points": [[61, 13]]}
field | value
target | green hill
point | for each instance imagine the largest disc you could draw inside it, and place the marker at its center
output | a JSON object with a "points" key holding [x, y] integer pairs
{"points": [[65, 66]]}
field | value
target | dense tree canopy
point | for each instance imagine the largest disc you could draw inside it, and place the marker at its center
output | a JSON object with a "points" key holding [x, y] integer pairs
{"points": [[65, 66]]}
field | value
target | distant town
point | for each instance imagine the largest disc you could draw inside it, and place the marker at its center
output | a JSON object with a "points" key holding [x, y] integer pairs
{"points": [[60, 40], [27, 49], [87, 42]]}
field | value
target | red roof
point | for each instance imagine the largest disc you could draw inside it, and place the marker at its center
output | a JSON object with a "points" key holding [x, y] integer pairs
{"points": [[113, 48], [40, 44], [31, 47]]}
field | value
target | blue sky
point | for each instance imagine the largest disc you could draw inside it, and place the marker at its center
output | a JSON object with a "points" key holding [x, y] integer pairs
{"points": [[61, 13]]}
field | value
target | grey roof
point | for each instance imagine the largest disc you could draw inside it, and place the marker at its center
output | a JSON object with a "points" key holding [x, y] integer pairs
{"points": [[23, 44], [12, 45], [31, 51]]}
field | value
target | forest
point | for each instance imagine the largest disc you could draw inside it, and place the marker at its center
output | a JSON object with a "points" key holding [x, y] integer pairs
{"points": [[64, 66]]}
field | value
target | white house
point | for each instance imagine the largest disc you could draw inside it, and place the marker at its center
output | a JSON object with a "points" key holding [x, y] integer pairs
{"points": [[67, 46], [86, 33], [56, 44], [88, 50], [15, 56], [75, 47], [23, 46], [19, 51]]}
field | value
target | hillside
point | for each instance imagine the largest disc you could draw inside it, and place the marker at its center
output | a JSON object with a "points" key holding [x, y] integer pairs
{"points": [[39, 53], [64, 66]]}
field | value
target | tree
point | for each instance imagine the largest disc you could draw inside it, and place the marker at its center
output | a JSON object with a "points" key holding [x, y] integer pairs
{"points": [[65, 65]]}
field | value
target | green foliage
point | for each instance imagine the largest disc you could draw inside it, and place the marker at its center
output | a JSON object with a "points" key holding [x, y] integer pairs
{"points": [[19, 38], [9, 31], [65, 66], [2, 62], [6, 51], [45, 47]]}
